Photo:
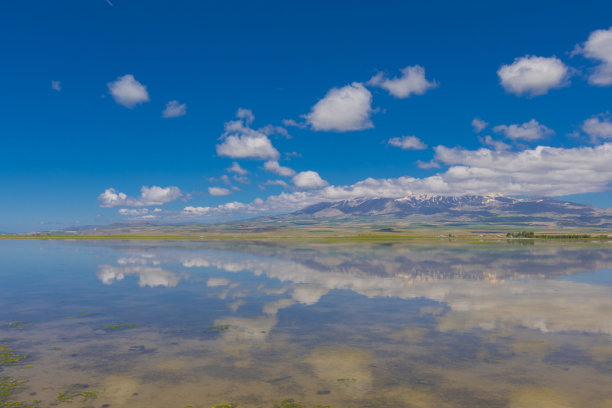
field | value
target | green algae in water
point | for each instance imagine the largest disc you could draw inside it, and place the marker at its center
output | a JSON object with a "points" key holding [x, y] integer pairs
{"points": [[222, 327], [77, 316], [290, 403], [85, 396], [8, 386], [8, 357], [230, 405], [16, 325]]}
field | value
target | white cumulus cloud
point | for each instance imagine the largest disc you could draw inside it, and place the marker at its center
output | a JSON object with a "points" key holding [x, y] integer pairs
{"points": [[407, 143], [127, 91], [541, 171], [308, 179], [240, 141], [274, 167], [196, 211], [343, 109], [598, 127], [529, 131], [531, 75], [174, 109], [599, 47], [153, 195], [219, 191], [411, 82]]}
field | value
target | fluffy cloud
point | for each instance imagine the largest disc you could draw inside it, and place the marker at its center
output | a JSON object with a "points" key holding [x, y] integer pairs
{"points": [[127, 91], [598, 128], [308, 179], [343, 109], [174, 109], [196, 211], [541, 171], [411, 82], [218, 191], [533, 75], [56, 86], [235, 168], [531, 130], [153, 195], [407, 143], [274, 167], [599, 47], [478, 125], [240, 141]]}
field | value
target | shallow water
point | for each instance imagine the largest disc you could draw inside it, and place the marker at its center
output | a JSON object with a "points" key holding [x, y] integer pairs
{"points": [[162, 324]]}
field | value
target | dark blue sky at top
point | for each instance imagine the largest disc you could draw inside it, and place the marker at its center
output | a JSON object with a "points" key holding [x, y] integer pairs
{"points": [[60, 150]]}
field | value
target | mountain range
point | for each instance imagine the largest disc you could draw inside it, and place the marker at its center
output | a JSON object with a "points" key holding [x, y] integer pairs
{"points": [[414, 212], [493, 209]]}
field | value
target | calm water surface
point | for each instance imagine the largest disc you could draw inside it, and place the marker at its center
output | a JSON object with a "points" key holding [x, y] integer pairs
{"points": [[163, 324]]}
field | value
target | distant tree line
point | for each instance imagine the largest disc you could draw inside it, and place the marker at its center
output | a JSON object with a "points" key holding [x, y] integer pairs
{"points": [[522, 234], [531, 234]]}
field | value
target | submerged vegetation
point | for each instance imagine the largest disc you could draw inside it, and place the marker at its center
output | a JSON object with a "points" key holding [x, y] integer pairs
{"points": [[9, 385], [85, 396], [123, 326], [222, 327], [8, 357], [16, 325]]}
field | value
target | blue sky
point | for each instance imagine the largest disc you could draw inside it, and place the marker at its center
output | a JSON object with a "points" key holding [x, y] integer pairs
{"points": [[313, 101]]}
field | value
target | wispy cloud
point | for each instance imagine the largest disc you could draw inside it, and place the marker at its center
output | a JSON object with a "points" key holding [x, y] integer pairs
{"points": [[56, 86], [479, 125], [235, 168], [274, 167], [174, 109]]}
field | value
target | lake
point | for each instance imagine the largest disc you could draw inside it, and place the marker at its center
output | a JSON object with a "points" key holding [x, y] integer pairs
{"points": [[118, 323]]}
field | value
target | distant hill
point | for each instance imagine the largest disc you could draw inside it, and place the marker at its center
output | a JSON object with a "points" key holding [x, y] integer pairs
{"points": [[414, 212]]}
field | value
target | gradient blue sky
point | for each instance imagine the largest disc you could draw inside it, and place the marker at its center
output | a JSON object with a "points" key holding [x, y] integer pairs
{"points": [[350, 91]]}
